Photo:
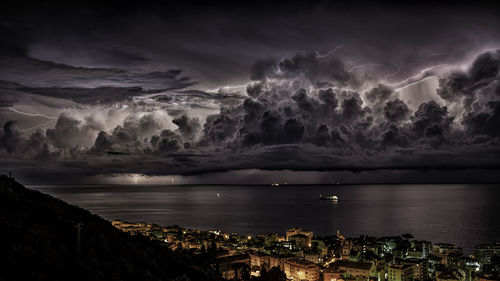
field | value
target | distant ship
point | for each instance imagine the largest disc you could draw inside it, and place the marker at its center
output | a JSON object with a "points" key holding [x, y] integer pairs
{"points": [[275, 184], [328, 197]]}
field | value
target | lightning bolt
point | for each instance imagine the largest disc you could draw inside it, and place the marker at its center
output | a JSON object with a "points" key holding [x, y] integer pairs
{"points": [[413, 83], [318, 55], [39, 126], [420, 76], [392, 74], [31, 114]]}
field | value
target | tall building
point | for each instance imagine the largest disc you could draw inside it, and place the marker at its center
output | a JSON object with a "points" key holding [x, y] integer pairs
{"points": [[420, 268], [442, 250], [301, 270], [400, 272], [346, 249], [419, 249], [259, 260], [484, 252]]}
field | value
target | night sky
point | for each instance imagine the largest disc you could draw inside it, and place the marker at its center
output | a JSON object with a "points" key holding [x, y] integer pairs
{"points": [[249, 92]]}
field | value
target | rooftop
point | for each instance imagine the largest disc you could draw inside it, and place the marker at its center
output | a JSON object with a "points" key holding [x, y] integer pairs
{"points": [[234, 258], [400, 266], [301, 262], [353, 264]]}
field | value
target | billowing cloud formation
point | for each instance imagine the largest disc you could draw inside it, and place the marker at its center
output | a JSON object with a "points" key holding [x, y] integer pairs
{"points": [[309, 66], [478, 90], [35, 146], [299, 113]]}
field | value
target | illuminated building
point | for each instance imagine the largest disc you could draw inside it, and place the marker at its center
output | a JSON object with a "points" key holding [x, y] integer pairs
{"points": [[400, 272], [484, 252], [346, 249], [258, 261], [420, 268], [312, 257], [442, 250], [300, 269], [274, 262], [493, 276], [419, 249], [299, 231], [133, 228], [230, 267], [449, 275], [331, 274], [356, 269], [300, 240]]}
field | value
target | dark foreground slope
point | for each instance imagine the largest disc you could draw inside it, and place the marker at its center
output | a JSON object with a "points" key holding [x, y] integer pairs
{"points": [[39, 242]]}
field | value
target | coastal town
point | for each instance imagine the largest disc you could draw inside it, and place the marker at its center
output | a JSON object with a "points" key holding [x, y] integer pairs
{"points": [[299, 255]]}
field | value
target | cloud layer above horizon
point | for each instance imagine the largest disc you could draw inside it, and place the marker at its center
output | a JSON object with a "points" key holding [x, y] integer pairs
{"points": [[297, 111]]}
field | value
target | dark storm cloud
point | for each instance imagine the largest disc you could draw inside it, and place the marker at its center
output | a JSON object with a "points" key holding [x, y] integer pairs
{"points": [[16, 145], [477, 91], [10, 137], [309, 66], [482, 77], [431, 120], [322, 92], [8, 96], [227, 38], [99, 95], [71, 133], [287, 122], [485, 122], [188, 127], [166, 142], [284, 113], [396, 111], [102, 142], [220, 127], [132, 136], [39, 74]]}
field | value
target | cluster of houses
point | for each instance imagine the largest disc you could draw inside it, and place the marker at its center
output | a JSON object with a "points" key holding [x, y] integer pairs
{"points": [[302, 256]]}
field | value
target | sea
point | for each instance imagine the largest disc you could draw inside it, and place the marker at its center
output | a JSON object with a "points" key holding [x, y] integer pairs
{"points": [[460, 214]]}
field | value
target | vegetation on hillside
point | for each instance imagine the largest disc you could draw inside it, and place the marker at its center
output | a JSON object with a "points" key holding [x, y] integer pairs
{"points": [[40, 242]]}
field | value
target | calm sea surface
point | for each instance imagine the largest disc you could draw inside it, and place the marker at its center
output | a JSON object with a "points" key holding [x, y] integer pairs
{"points": [[461, 214]]}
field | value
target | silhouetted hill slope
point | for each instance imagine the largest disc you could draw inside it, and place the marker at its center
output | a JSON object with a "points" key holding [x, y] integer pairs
{"points": [[39, 241]]}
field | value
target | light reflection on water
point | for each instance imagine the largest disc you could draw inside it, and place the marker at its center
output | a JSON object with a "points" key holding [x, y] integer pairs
{"points": [[460, 214]]}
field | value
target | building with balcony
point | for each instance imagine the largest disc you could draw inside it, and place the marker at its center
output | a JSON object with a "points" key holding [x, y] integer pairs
{"points": [[301, 270], [400, 272]]}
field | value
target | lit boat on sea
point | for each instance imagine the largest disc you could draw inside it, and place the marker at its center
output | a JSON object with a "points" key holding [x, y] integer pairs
{"points": [[328, 197]]}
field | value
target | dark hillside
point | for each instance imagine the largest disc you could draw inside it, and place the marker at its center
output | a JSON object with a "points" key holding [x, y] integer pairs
{"points": [[39, 242]]}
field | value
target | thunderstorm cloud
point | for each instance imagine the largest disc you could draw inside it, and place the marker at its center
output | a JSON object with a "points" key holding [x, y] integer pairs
{"points": [[272, 100]]}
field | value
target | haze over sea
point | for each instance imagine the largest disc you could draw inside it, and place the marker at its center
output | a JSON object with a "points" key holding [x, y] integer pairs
{"points": [[462, 214]]}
